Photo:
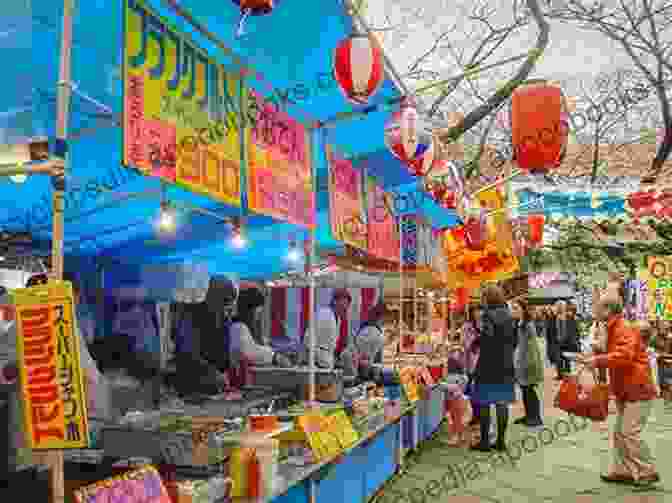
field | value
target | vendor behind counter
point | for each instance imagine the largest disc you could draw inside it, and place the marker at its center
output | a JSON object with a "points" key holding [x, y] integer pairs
{"points": [[214, 339]]}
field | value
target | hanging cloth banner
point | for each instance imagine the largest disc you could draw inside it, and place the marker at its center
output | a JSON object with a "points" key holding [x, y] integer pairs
{"points": [[382, 225], [494, 261], [279, 175], [182, 110], [658, 276], [347, 216], [52, 388]]}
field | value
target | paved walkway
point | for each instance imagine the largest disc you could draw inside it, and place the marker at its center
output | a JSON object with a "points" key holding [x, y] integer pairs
{"points": [[559, 464]]}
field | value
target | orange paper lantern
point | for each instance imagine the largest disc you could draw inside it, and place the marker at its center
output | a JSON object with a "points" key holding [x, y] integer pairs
{"points": [[536, 225], [539, 126]]}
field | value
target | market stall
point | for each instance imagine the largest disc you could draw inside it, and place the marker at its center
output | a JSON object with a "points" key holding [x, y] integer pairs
{"points": [[131, 251]]}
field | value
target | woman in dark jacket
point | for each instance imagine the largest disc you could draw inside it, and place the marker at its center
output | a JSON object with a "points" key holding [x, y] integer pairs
{"points": [[494, 376]]}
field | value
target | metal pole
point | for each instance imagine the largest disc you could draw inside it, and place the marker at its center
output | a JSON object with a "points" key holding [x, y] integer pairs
{"points": [[310, 261], [313, 321]]}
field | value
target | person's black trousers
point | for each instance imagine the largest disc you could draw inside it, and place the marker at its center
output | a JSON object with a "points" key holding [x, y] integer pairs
{"points": [[532, 404], [502, 410], [564, 366]]}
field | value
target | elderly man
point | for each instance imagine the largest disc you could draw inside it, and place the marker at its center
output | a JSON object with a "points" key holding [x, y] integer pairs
{"points": [[632, 385]]}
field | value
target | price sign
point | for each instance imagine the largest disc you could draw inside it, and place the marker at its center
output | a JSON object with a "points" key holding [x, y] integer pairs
{"points": [[324, 444], [345, 432]]}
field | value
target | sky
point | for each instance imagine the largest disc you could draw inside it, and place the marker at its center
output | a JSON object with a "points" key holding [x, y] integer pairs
{"points": [[574, 57]]}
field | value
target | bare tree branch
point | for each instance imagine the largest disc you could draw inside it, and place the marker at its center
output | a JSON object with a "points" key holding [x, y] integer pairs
{"points": [[500, 96], [626, 24]]}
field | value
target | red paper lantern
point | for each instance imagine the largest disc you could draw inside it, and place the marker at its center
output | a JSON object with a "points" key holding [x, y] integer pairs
{"points": [[253, 8], [536, 225], [539, 126], [359, 68]]}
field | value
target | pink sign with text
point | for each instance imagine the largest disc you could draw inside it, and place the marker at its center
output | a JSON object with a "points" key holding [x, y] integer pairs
{"points": [[383, 231], [346, 203], [280, 182]]}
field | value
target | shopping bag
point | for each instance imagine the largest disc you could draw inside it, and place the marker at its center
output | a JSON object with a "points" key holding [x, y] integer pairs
{"points": [[584, 400]]}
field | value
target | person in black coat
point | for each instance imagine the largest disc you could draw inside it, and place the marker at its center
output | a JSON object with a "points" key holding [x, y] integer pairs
{"points": [[494, 375], [566, 332], [552, 348]]}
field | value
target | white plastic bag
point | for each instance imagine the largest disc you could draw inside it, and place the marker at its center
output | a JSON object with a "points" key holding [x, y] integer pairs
{"points": [[653, 362]]}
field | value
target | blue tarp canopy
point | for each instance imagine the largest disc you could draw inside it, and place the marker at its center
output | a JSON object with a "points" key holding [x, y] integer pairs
{"points": [[111, 211]]}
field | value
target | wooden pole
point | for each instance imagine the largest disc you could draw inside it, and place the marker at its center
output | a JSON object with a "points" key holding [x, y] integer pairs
{"points": [[54, 459]]}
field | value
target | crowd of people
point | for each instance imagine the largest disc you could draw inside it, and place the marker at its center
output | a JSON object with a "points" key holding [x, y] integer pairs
{"points": [[508, 344]]}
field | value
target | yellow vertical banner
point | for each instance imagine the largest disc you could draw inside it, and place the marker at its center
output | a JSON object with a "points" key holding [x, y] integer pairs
{"points": [[658, 276], [499, 226], [52, 384], [182, 110]]}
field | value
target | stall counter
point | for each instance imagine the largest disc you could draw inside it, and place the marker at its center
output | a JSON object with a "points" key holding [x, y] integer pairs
{"points": [[369, 464]]}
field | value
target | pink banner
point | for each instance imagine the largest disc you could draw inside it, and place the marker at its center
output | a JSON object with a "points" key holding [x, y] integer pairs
{"points": [[346, 203], [150, 144], [383, 231], [280, 182]]}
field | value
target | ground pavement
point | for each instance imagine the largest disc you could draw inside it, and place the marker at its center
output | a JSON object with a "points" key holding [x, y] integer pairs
{"points": [[560, 464]]}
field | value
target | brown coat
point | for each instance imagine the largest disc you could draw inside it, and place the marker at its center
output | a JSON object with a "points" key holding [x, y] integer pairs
{"points": [[630, 377]]}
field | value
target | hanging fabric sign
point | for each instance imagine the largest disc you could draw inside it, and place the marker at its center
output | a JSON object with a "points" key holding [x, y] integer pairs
{"points": [[181, 109], [658, 276], [383, 232], [49, 365], [346, 203], [280, 178]]}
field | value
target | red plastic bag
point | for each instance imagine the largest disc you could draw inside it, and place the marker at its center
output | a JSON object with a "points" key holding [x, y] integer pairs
{"points": [[584, 400]]}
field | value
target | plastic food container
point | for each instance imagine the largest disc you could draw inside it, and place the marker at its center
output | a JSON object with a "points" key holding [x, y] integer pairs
{"points": [[263, 423]]}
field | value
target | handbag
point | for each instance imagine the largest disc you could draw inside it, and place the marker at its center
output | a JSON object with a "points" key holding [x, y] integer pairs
{"points": [[583, 400]]}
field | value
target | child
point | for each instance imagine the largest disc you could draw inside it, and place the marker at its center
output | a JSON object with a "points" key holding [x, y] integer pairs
{"points": [[456, 402]]}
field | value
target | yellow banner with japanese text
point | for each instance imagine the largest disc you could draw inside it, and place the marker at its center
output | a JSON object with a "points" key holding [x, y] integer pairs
{"points": [[182, 110], [52, 385]]}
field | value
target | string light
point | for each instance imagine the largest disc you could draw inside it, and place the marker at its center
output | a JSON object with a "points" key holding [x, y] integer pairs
{"points": [[294, 255], [238, 240], [166, 223]]}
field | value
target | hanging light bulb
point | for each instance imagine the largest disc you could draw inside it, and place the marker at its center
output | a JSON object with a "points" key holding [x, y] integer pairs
{"points": [[166, 222], [237, 239], [294, 255]]}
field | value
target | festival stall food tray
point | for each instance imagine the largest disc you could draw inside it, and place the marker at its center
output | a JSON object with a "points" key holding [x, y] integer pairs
{"points": [[328, 382]]}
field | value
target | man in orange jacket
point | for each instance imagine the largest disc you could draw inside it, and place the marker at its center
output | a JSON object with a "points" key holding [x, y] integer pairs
{"points": [[632, 385]]}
